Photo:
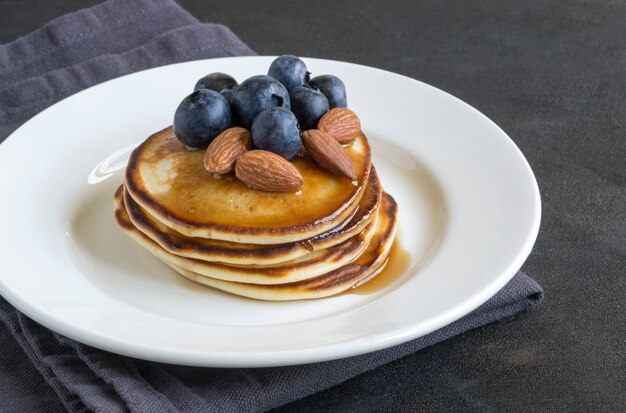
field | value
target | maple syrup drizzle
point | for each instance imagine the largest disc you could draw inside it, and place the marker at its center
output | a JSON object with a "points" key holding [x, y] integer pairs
{"points": [[398, 262]]}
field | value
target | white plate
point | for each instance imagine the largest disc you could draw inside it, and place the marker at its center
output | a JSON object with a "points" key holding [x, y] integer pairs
{"points": [[469, 215]]}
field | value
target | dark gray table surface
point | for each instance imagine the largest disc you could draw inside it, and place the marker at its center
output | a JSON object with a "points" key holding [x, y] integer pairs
{"points": [[553, 76]]}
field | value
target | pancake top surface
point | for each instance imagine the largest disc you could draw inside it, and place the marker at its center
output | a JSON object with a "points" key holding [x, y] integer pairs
{"points": [[239, 253], [171, 182]]}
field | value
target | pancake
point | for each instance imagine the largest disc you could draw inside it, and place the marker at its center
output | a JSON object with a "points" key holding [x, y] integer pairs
{"points": [[169, 181], [364, 268], [246, 254], [311, 265]]}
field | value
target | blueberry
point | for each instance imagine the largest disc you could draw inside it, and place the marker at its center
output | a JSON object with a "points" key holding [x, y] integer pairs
{"points": [[276, 130], [215, 81], [333, 88], [289, 70], [256, 94], [309, 105], [200, 117], [228, 93]]}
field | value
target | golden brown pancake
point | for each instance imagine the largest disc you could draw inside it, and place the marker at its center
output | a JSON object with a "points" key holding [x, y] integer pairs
{"points": [[169, 181], [246, 254], [311, 265], [364, 268]]}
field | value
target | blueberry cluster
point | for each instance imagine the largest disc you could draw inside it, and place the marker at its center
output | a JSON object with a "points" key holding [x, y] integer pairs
{"points": [[275, 108]]}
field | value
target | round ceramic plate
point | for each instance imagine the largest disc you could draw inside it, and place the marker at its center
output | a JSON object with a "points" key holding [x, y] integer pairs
{"points": [[469, 215]]}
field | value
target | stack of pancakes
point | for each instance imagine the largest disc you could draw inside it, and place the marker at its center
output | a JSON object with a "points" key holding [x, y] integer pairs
{"points": [[329, 236]]}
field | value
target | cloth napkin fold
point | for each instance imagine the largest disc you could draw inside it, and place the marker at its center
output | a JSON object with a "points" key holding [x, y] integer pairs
{"points": [[88, 47]]}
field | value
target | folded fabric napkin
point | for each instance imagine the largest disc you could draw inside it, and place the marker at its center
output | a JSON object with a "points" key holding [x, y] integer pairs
{"points": [[109, 40]]}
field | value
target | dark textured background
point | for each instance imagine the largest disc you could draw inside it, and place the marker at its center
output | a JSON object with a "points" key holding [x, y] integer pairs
{"points": [[553, 76]]}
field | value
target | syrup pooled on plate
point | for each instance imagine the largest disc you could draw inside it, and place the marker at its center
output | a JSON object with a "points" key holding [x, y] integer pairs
{"points": [[398, 262]]}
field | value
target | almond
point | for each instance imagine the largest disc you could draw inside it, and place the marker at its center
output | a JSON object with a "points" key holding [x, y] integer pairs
{"points": [[328, 153], [267, 171], [222, 153], [341, 124]]}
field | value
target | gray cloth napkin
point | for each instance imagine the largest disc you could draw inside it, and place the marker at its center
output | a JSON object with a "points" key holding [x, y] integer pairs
{"points": [[93, 45]]}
